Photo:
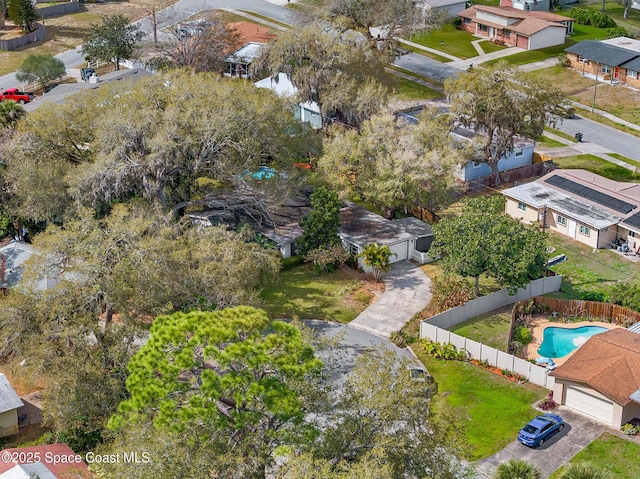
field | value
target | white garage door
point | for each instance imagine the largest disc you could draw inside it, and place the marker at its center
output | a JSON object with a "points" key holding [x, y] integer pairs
{"points": [[400, 249], [588, 404]]}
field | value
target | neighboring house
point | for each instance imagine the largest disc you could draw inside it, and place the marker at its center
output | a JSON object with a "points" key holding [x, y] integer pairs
{"points": [[408, 238], [527, 5], [254, 36], [450, 7], [602, 378], [530, 30], [521, 155], [13, 256], [48, 461], [9, 404], [308, 112], [616, 60], [586, 207]]}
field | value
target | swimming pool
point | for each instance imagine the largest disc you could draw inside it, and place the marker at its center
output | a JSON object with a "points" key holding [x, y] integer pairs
{"points": [[558, 342]]}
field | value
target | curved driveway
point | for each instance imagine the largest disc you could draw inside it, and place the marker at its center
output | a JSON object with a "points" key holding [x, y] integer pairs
{"points": [[407, 292]]}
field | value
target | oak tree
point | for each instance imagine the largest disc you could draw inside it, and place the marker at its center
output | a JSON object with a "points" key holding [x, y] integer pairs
{"points": [[114, 40], [45, 69], [23, 13]]}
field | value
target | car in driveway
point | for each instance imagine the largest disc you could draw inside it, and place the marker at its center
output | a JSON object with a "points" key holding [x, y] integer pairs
{"points": [[540, 429]]}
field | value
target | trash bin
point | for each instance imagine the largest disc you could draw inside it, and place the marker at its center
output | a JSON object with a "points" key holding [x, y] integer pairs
{"points": [[578, 137]]}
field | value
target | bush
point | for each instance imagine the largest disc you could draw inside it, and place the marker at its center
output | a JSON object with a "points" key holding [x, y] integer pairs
{"points": [[402, 338], [595, 296], [325, 259], [443, 351], [627, 295], [517, 469], [292, 262], [548, 404], [563, 60], [629, 429], [584, 470], [449, 292], [618, 32], [589, 16], [522, 335]]}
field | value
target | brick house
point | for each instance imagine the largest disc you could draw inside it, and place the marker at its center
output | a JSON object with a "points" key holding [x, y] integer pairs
{"points": [[530, 30], [616, 60]]}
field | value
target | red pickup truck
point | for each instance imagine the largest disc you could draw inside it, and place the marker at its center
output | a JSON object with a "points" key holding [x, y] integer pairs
{"points": [[16, 95]]}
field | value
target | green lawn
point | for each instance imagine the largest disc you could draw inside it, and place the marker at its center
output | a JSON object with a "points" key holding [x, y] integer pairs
{"points": [[489, 47], [586, 270], [617, 455], [491, 328], [564, 135], [407, 89], [491, 409], [625, 159], [616, 11], [546, 142], [301, 293], [419, 51], [455, 42], [598, 166]]}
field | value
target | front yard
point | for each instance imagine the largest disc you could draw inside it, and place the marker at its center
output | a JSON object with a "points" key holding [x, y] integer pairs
{"points": [[617, 455], [489, 409], [337, 296]]}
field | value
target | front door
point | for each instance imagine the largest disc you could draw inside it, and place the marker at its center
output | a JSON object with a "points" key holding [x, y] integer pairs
{"points": [[616, 73], [491, 32], [571, 230]]}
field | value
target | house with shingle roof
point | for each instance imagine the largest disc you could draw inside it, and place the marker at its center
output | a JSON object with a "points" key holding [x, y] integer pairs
{"points": [[589, 208], [616, 60], [47, 461], [9, 404], [602, 378], [254, 37], [530, 30]]}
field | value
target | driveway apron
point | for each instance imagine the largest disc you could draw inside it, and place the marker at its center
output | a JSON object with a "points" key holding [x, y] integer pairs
{"points": [[407, 291]]}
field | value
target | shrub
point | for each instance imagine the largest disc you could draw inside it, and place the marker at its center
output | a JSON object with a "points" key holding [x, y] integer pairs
{"points": [[507, 373], [589, 16], [548, 404], [618, 32], [629, 429], [326, 258], [522, 335], [517, 469], [563, 60], [402, 338], [449, 292], [443, 351], [627, 295], [584, 470], [595, 296], [292, 262]]}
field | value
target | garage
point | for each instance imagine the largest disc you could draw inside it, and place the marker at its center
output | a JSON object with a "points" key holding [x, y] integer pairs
{"points": [[522, 42], [586, 403], [400, 251]]}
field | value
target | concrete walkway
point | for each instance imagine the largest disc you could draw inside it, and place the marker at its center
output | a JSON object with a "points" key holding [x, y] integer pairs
{"points": [[554, 453], [407, 292], [465, 64]]}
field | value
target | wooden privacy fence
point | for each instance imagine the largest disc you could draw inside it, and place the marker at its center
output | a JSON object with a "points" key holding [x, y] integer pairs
{"points": [[510, 176], [59, 9], [593, 309], [15, 43], [424, 214]]}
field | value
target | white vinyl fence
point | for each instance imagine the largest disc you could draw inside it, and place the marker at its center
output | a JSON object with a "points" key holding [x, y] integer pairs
{"points": [[435, 329]]}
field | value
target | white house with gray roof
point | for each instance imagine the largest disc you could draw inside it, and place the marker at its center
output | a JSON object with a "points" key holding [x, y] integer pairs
{"points": [[589, 208], [9, 404]]}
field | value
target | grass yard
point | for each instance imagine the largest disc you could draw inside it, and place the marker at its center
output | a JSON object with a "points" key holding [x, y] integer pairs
{"points": [[564, 135], [617, 455], [406, 89], [298, 292], [490, 47], [419, 51], [545, 142], [625, 159], [586, 270], [490, 409], [598, 166], [456, 42], [491, 328], [616, 11]]}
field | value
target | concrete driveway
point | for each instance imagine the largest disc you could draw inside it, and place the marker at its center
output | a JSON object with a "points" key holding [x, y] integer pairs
{"points": [[554, 453], [407, 291]]}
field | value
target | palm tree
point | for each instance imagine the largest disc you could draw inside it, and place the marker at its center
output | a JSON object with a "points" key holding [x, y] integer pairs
{"points": [[517, 469], [585, 470], [10, 113], [377, 257]]}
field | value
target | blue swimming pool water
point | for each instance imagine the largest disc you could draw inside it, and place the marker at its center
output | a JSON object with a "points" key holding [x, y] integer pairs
{"points": [[558, 342]]}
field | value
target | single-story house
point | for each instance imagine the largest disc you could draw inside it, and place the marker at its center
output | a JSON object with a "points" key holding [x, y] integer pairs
{"points": [[9, 404], [530, 30], [308, 112], [253, 36], [48, 461], [521, 155], [527, 5], [602, 378], [616, 60], [450, 7], [584, 206], [407, 238]]}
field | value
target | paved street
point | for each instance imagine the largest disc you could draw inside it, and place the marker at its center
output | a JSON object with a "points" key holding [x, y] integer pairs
{"points": [[407, 291]]}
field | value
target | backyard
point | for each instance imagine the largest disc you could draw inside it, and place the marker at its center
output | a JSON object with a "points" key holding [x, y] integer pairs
{"points": [[336, 296], [491, 328], [617, 455]]}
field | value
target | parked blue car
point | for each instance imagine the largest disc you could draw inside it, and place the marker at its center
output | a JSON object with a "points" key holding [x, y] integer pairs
{"points": [[540, 429]]}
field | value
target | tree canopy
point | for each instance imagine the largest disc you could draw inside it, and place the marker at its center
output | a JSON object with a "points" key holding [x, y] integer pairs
{"points": [[45, 69], [114, 40], [484, 240], [320, 225], [394, 165], [23, 13], [502, 103]]}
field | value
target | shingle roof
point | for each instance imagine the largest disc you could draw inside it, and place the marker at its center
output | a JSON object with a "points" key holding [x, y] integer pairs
{"points": [[252, 32], [9, 399], [608, 362], [76, 470], [602, 52], [529, 22]]}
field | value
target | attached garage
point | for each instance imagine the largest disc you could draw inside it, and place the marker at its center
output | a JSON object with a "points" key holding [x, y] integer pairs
{"points": [[522, 42], [589, 404], [399, 251]]}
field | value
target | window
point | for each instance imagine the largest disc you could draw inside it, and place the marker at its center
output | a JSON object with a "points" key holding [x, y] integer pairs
{"points": [[632, 234], [483, 28], [506, 32], [584, 230], [582, 59], [519, 152], [561, 220], [467, 21], [522, 206], [632, 74], [606, 69], [353, 249]]}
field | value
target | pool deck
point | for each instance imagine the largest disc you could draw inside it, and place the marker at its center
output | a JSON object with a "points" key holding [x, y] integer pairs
{"points": [[539, 325]]}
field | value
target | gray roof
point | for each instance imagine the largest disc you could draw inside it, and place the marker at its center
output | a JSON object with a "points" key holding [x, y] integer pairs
{"points": [[246, 54], [283, 234], [539, 195], [602, 52], [634, 328], [26, 471], [16, 253], [443, 3], [361, 227], [632, 64], [9, 399]]}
